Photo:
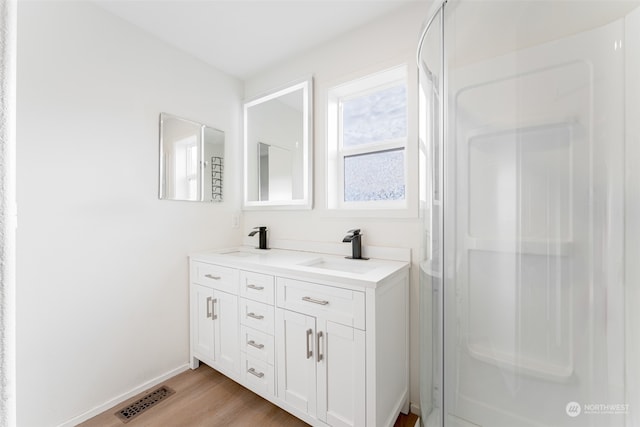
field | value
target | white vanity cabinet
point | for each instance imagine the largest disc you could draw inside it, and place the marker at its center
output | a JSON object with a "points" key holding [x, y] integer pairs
{"points": [[257, 321], [321, 355], [329, 347], [214, 317]]}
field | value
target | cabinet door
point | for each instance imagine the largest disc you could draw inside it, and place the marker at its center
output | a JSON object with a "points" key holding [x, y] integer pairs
{"points": [[202, 342], [340, 355], [295, 335], [226, 331]]}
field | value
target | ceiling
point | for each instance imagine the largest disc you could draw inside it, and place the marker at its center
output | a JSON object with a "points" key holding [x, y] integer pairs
{"points": [[243, 37]]}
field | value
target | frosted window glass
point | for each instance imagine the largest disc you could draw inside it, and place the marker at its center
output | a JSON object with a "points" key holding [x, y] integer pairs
{"points": [[374, 117], [374, 176]]}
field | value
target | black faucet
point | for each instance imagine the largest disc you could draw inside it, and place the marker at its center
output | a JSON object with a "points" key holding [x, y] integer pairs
{"points": [[262, 238], [356, 244]]}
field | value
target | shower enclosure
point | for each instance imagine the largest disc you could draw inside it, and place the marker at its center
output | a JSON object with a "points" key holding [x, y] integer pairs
{"points": [[530, 165]]}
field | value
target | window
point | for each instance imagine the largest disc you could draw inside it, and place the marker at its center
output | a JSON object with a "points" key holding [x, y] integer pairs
{"points": [[367, 124]]}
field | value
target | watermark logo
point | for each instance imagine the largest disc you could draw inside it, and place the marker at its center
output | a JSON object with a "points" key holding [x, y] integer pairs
{"points": [[606, 408], [573, 409]]}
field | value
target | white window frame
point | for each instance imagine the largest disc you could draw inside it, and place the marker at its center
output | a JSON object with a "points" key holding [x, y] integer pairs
{"points": [[336, 152]]}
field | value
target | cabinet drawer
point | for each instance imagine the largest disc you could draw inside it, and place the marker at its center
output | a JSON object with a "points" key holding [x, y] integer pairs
{"points": [[256, 286], [215, 276], [258, 345], [340, 305], [257, 315], [257, 375]]}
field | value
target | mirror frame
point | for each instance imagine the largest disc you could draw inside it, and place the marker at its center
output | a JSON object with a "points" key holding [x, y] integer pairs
{"points": [[306, 202]]}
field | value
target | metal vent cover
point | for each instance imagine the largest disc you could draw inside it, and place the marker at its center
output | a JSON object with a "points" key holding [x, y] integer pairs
{"points": [[147, 401]]}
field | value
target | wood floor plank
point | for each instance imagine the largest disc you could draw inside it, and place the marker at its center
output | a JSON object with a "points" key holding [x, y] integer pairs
{"points": [[406, 420], [206, 398]]}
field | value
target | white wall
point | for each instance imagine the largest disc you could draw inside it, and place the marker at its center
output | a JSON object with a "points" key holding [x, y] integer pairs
{"points": [[8, 44], [379, 45], [102, 273]]}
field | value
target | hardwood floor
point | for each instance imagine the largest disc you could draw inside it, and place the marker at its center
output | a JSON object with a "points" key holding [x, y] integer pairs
{"points": [[206, 398], [406, 420]]}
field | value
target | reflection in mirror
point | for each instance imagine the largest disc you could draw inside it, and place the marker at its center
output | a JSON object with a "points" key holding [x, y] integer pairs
{"points": [[275, 172], [277, 149], [191, 160]]}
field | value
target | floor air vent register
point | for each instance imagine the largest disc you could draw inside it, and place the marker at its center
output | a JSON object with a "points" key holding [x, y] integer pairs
{"points": [[147, 401]]}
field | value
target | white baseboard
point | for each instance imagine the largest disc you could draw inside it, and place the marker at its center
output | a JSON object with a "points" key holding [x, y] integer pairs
{"points": [[415, 409], [119, 399]]}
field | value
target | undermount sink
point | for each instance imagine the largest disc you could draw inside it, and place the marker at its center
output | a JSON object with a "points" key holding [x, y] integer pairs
{"points": [[347, 266]]}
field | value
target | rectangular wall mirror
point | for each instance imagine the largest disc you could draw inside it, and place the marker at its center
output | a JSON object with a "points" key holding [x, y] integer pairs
{"points": [[191, 160], [277, 148]]}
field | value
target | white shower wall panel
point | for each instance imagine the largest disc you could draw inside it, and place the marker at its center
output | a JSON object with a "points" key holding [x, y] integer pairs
{"points": [[632, 218], [539, 211], [519, 181]]}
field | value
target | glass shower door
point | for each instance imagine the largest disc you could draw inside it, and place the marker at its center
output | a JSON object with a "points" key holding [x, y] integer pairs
{"points": [[528, 214], [430, 140]]}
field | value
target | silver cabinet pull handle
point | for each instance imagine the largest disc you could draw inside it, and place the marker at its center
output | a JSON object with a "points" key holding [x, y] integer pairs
{"points": [[255, 316], [309, 352], [315, 301], [319, 335], [252, 343], [257, 288], [256, 373], [214, 316], [211, 276], [209, 307]]}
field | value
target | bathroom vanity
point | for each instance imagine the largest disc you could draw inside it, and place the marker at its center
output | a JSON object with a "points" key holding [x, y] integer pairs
{"points": [[321, 336]]}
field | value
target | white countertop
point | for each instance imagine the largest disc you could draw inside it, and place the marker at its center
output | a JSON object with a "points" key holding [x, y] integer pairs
{"points": [[305, 265]]}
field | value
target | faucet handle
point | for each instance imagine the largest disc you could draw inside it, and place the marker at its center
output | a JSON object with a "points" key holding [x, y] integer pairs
{"points": [[355, 231]]}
